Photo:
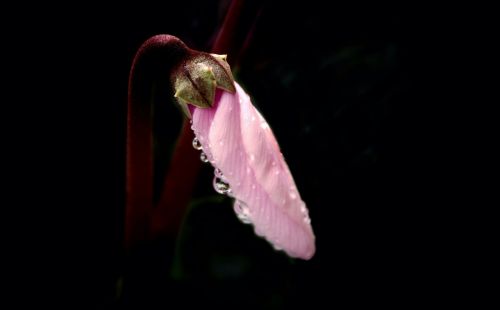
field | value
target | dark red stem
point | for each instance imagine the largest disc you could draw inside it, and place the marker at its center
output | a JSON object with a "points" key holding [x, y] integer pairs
{"points": [[178, 186], [153, 61], [225, 37]]}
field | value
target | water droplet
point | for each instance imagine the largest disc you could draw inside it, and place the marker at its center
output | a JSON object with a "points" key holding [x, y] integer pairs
{"points": [[240, 206], [276, 247], [252, 157], [242, 212], [218, 173], [253, 118], [221, 186], [221, 143], [253, 186], [293, 195], [197, 144], [304, 211], [203, 157], [307, 220], [264, 125]]}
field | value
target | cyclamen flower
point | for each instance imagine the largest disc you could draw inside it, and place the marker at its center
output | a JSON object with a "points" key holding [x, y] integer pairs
{"points": [[249, 166], [233, 137]]}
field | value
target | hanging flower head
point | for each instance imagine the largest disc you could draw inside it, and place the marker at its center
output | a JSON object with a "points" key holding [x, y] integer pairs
{"points": [[236, 139], [238, 142]]}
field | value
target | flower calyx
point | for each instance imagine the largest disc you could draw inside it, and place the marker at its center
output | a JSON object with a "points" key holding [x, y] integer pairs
{"points": [[195, 79]]}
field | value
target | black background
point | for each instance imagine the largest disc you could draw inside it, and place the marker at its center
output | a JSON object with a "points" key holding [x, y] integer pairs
{"points": [[350, 93]]}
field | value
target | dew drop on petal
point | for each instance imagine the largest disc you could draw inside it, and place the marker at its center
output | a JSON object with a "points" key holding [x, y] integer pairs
{"points": [[303, 209], [197, 144], [203, 157], [218, 173], [305, 212], [221, 186], [242, 212]]}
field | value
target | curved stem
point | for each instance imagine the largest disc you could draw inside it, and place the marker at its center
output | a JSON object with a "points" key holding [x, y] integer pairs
{"points": [[153, 62]]}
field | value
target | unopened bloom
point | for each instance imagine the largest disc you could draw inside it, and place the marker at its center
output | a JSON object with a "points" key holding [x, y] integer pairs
{"points": [[239, 143]]}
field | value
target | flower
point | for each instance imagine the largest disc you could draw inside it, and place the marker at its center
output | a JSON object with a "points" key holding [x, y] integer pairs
{"points": [[250, 167]]}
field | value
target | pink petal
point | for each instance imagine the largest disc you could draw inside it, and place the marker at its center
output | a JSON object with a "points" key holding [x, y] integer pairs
{"points": [[239, 142]]}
